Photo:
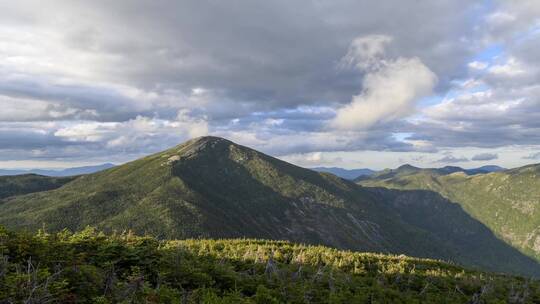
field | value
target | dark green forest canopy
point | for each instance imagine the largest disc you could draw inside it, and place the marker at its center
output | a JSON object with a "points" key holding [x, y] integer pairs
{"points": [[91, 267]]}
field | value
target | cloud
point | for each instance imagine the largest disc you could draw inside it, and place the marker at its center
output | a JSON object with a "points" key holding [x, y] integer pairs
{"points": [[135, 133], [313, 159], [80, 139], [510, 19], [511, 68], [276, 58], [489, 117], [366, 53], [533, 156], [478, 65], [450, 159], [499, 105], [391, 87], [485, 156], [287, 78]]}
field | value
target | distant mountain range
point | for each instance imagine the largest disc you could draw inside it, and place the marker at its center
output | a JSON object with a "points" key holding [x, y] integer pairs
{"points": [[485, 169], [345, 173], [212, 187], [63, 172], [364, 173]]}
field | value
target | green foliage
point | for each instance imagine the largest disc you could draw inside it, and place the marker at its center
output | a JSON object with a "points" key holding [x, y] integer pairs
{"points": [[507, 202], [91, 267]]}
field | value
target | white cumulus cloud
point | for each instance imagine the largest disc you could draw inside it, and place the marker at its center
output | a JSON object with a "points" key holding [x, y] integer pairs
{"points": [[391, 87]]}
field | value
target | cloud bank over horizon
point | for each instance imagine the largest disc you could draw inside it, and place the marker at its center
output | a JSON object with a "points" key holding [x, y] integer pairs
{"points": [[344, 83]]}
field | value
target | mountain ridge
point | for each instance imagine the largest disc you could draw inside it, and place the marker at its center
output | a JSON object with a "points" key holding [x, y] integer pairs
{"points": [[350, 174], [58, 173], [212, 187]]}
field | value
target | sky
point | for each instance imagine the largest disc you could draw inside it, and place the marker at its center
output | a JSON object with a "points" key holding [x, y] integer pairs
{"points": [[352, 84]]}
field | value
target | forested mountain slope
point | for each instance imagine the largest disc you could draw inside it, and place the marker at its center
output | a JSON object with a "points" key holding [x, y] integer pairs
{"points": [[29, 183], [211, 187], [508, 202]]}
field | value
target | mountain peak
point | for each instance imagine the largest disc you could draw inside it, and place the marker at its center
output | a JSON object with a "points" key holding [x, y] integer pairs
{"points": [[206, 141], [201, 144], [207, 138], [407, 167]]}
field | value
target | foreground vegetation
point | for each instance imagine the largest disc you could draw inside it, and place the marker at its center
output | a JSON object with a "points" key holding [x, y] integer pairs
{"points": [[91, 267]]}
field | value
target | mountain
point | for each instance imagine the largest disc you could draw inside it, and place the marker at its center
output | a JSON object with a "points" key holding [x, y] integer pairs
{"points": [[212, 187], [64, 172], [508, 202], [92, 267], [406, 170], [29, 183], [345, 173], [485, 169]]}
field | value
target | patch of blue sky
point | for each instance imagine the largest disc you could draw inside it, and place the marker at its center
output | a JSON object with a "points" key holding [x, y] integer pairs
{"points": [[430, 100], [481, 87], [401, 136], [489, 54]]}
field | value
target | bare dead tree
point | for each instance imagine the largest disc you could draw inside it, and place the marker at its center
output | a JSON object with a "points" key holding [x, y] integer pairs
{"points": [[270, 266], [110, 280], [38, 289], [517, 296]]}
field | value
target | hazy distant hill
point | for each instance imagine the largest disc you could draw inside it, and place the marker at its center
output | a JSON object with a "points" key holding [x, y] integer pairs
{"points": [[211, 187], [63, 172], [345, 173], [484, 169], [407, 169]]}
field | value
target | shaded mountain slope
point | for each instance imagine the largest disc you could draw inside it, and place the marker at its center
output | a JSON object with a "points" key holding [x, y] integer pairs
{"points": [[454, 228], [29, 183], [508, 202], [211, 187]]}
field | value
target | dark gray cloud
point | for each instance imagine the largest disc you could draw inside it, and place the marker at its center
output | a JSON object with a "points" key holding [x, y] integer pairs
{"points": [[450, 134], [278, 52], [485, 156], [85, 102], [86, 79], [450, 159], [274, 53], [29, 140]]}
